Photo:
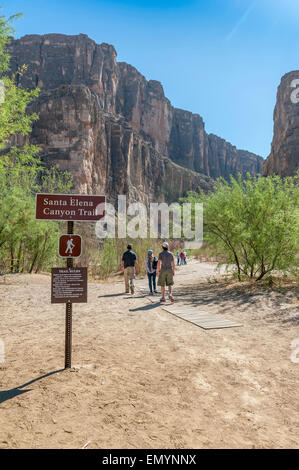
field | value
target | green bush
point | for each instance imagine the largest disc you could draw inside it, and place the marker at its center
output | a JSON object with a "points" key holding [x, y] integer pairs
{"points": [[25, 243], [254, 223]]}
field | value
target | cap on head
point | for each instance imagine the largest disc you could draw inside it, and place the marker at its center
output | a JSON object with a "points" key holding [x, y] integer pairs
{"points": [[165, 245], [129, 246], [150, 252]]}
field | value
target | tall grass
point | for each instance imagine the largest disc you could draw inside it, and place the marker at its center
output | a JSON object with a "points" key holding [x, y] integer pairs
{"points": [[111, 251]]}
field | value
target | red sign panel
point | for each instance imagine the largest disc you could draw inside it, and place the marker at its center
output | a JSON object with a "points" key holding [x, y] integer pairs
{"points": [[69, 285], [70, 246], [69, 207]]}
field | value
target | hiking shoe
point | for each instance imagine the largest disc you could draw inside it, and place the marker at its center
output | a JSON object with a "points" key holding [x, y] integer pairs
{"points": [[162, 299], [171, 298], [156, 292]]}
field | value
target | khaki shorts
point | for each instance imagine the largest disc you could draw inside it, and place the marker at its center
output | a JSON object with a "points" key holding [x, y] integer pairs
{"points": [[165, 278], [129, 272], [129, 275]]}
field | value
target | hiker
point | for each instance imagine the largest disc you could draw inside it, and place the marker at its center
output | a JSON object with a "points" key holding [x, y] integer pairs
{"points": [[150, 267], [128, 265], [178, 258], [185, 257], [165, 272], [182, 257]]}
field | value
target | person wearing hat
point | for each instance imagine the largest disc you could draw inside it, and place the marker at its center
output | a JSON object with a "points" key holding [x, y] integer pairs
{"points": [[150, 267], [165, 272], [128, 265]]}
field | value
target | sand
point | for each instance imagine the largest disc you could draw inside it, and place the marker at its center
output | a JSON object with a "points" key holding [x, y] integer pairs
{"points": [[143, 378]]}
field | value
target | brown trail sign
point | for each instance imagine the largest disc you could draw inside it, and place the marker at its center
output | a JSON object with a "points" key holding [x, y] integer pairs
{"points": [[70, 246], [69, 207], [69, 285]]}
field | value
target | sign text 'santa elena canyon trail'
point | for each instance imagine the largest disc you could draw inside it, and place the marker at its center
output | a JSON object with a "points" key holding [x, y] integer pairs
{"points": [[69, 207]]}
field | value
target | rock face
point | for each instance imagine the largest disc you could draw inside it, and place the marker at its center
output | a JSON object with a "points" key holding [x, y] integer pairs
{"points": [[103, 152], [284, 156], [112, 129]]}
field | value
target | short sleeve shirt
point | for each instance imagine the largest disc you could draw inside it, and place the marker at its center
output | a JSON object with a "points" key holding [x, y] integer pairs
{"points": [[129, 258], [166, 258]]}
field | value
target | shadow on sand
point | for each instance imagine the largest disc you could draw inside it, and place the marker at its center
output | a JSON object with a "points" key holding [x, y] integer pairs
{"points": [[145, 307], [112, 295], [14, 392], [228, 299]]}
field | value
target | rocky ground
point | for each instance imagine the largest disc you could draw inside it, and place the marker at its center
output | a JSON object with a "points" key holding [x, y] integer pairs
{"points": [[143, 378]]}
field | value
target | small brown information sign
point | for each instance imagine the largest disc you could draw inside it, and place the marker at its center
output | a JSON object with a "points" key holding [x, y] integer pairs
{"points": [[69, 207], [70, 246], [69, 285]]}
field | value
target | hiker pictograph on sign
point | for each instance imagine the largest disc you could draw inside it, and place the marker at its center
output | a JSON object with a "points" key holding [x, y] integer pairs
{"points": [[70, 246]]}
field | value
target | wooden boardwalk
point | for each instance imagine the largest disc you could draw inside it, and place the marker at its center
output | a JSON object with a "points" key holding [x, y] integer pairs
{"points": [[194, 315], [200, 318]]}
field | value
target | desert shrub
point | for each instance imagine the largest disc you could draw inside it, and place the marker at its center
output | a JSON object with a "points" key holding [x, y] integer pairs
{"points": [[25, 243], [254, 223]]}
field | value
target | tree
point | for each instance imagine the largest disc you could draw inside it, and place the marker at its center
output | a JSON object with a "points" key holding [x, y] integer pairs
{"points": [[254, 222], [25, 244], [13, 116]]}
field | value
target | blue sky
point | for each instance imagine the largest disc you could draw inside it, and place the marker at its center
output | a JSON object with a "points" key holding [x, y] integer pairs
{"points": [[222, 59]]}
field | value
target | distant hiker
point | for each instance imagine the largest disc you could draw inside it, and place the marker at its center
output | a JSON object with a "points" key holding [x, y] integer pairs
{"points": [[185, 257], [165, 271], [182, 257], [150, 267], [178, 258], [128, 265]]}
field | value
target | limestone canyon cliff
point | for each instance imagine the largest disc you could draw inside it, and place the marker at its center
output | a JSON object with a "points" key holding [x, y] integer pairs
{"points": [[284, 156], [114, 130]]}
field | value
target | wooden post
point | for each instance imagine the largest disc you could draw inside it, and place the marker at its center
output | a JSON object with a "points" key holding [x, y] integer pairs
{"points": [[68, 311]]}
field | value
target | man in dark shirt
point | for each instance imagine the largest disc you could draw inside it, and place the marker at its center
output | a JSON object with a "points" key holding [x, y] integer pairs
{"points": [[128, 265]]}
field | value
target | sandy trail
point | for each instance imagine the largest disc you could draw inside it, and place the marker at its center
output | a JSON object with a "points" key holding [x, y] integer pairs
{"points": [[143, 378]]}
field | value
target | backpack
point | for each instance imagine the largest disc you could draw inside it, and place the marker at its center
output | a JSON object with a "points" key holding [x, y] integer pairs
{"points": [[155, 262]]}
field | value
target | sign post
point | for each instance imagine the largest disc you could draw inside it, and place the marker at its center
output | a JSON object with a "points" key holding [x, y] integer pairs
{"points": [[68, 312], [69, 285]]}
